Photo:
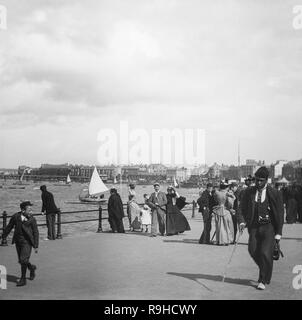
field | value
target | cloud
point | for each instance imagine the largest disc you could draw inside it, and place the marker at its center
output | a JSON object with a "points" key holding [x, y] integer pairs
{"points": [[155, 63]]}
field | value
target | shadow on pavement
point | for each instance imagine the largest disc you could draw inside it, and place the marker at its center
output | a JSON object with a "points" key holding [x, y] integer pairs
{"points": [[286, 238], [217, 278], [196, 241], [11, 278]]}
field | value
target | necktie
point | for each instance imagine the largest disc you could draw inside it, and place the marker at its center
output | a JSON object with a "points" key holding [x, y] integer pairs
{"points": [[259, 196]]}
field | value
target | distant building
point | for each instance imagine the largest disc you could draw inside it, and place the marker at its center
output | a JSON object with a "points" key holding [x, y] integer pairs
{"points": [[158, 169], [277, 169], [180, 174]]}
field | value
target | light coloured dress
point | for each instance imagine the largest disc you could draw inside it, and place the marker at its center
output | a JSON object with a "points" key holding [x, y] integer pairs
{"points": [[145, 216], [223, 219]]}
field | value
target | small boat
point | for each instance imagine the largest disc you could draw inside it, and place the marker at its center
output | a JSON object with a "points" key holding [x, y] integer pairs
{"points": [[66, 184], [15, 187], [95, 191]]}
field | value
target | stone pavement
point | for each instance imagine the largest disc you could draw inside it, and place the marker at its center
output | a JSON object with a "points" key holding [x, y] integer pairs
{"points": [[135, 266]]}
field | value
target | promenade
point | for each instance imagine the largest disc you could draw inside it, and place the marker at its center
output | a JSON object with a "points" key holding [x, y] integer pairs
{"points": [[135, 266]]}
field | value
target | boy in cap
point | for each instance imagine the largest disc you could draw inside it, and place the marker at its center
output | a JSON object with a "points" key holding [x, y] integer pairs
{"points": [[26, 236], [261, 211]]}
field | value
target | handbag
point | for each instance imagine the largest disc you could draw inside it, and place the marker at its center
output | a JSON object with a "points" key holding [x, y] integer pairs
{"points": [[277, 251]]}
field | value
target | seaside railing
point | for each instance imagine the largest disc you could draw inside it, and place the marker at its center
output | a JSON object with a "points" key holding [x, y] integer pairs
{"points": [[59, 221]]}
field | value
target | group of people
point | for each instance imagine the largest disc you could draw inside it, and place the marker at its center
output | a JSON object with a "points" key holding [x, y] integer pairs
{"points": [[258, 207], [160, 211], [26, 233]]}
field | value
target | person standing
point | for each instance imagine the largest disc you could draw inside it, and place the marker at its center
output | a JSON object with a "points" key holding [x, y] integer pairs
{"points": [[26, 237], [233, 200], [176, 220], [157, 202], [260, 210], [133, 213], [223, 217], [49, 207], [205, 203], [115, 212]]}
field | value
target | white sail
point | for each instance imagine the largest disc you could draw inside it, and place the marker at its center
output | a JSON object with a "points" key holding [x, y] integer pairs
{"points": [[114, 181], [21, 178], [68, 180], [96, 184], [175, 183]]}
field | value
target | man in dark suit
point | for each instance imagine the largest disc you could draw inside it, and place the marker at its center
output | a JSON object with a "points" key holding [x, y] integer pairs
{"points": [[157, 202], [50, 208], [205, 203], [261, 211], [26, 236]]}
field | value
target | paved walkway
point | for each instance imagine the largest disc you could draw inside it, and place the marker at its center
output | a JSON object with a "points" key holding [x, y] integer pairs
{"points": [[135, 266]]}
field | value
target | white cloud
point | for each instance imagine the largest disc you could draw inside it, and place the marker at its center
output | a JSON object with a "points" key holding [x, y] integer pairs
{"points": [[234, 70]]}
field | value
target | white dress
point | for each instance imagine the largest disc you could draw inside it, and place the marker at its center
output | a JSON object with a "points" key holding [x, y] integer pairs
{"points": [[146, 216]]}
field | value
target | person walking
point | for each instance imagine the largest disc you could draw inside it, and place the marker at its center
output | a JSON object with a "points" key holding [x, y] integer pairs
{"points": [[49, 207], [26, 237], [260, 210]]}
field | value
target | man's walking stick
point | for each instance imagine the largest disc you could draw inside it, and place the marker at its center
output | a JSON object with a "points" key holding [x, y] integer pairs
{"points": [[231, 257]]}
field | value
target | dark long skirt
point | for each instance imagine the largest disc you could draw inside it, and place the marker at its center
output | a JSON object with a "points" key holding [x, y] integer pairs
{"points": [[291, 211], [176, 221]]}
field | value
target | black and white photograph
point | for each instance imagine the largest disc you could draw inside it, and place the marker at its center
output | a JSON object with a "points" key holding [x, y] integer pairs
{"points": [[151, 150]]}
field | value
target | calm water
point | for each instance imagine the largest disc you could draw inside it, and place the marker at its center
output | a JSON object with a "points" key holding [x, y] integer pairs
{"points": [[10, 200]]}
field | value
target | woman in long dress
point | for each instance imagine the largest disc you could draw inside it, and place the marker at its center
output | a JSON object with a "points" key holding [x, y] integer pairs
{"points": [[176, 221], [133, 212], [223, 217]]}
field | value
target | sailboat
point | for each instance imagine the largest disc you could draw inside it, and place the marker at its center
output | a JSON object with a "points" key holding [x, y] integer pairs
{"points": [[115, 181], [176, 185], [20, 182], [95, 190], [66, 184]]}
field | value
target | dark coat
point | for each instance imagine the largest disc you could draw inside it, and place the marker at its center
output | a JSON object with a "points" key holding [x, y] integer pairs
{"points": [[206, 201], [115, 206], [29, 228], [48, 203], [247, 208]]}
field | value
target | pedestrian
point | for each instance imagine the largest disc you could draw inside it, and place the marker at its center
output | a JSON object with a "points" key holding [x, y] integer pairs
{"points": [[206, 203], [233, 200], [158, 202], [176, 220], [145, 217], [133, 212], [26, 237], [261, 212], [49, 207], [223, 217], [115, 212]]}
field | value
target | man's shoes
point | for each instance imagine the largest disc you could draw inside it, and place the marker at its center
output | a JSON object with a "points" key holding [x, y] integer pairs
{"points": [[261, 286], [46, 239], [21, 282], [152, 236], [32, 274]]}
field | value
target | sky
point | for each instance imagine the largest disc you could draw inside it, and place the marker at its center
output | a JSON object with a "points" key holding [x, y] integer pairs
{"points": [[70, 69]]}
